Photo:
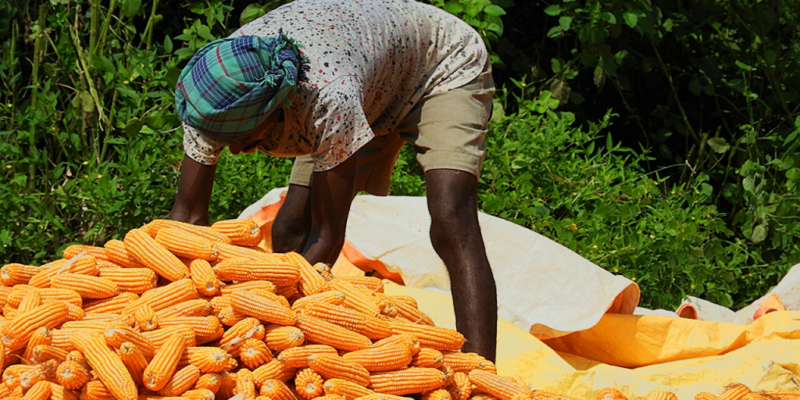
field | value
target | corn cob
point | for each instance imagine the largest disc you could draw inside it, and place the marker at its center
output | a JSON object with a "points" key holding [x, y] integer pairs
{"points": [[242, 232], [324, 270], [89, 287], [322, 332], [405, 339], [280, 338], [778, 394], [208, 381], [334, 297], [159, 337], [405, 299], [245, 385], [438, 394], [116, 333], [39, 391], [107, 364], [271, 296], [502, 388], [262, 308], [146, 318], [346, 389], [164, 363], [354, 298], [227, 290], [208, 359], [274, 370], [353, 320], [74, 313], [47, 294], [134, 280], [19, 330], [661, 395], [30, 301], [297, 357], [189, 308], [245, 329], [383, 358], [5, 293], [203, 231], [412, 314], [41, 336], [386, 304], [85, 265], [229, 317], [606, 396], [164, 297], [289, 292], [449, 372], [77, 357], [411, 380], [204, 278], [186, 245], [180, 382], [371, 283], [308, 384], [118, 253], [5, 392], [75, 249], [430, 336], [228, 251], [112, 305], [244, 270], [96, 390], [58, 392], [72, 375], [383, 396], [206, 329], [134, 360], [31, 376], [227, 385], [154, 255], [460, 387], [276, 390], [254, 353], [103, 264], [734, 392], [430, 358], [12, 373], [43, 352], [17, 274], [311, 282], [465, 362], [332, 366], [198, 394]]}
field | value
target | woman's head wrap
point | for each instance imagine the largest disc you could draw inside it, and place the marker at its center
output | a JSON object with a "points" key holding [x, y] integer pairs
{"points": [[232, 85]]}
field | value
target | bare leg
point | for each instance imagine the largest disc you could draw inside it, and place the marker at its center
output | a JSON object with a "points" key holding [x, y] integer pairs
{"points": [[456, 237], [293, 223]]}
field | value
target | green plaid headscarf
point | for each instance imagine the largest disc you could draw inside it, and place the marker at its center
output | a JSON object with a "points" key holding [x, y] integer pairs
{"points": [[232, 85]]}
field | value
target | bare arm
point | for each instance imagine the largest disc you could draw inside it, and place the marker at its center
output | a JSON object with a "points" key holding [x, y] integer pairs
{"points": [[194, 192]]}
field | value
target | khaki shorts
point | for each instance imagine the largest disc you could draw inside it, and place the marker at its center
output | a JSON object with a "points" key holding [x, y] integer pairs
{"points": [[446, 129]]}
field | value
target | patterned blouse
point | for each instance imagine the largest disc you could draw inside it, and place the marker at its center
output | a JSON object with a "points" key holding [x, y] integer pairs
{"points": [[370, 62]]}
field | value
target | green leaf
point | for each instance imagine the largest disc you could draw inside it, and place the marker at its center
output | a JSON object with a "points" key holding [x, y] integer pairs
{"points": [[630, 18], [133, 127], [167, 44], [759, 233], [719, 145], [555, 32], [565, 22], [251, 12], [454, 7], [793, 174], [556, 64], [749, 184], [87, 101], [553, 10], [131, 7], [609, 17], [494, 10], [577, 98], [695, 87]]}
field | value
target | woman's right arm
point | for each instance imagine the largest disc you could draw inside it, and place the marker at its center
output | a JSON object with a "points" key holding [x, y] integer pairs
{"points": [[194, 192]]}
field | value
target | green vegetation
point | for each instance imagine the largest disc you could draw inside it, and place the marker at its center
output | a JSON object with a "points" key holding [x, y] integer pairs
{"points": [[657, 140]]}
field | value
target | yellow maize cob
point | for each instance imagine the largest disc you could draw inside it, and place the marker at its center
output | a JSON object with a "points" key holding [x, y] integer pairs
{"points": [[187, 245], [117, 333], [203, 231], [330, 397], [273, 370], [271, 296], [324, 271], [84, 265], [354, 298], [206, 329], [72, 375], [430, 336], [5, 293], [289, 292], [245, 329], [386, 304], [208, 381], [41, 336], [106, 364], [412, 314], [118, 253], [164, 363], [9, 312], [756, 396], [181, 381], [297, 357], [95, 325], [31, 300], [254, 353], [242, 232], [466, 362], [245, 385], [198, 394], [89, 287], [430, 358], [227, 290], [39, 391], [262, 308], [229, 317], [77, 357], [734, 392], [449, 372], [323, 332], [383, 396], [43, 352], [112, 305], [500, 387], [159, 336], [164, 297], [146, 318], [779, 394], [17, 274], [46, 294], [353, 320], [227, 386], [96, 390], [334, 297], [228, 251], [311, 282], [189, 308], [30, 377], [333, 366], [208, 359], [16, 394], [460, 387], [346, 389], [134, 280], [614, 394], [661, 395], [371, 283], [58, 392], [134, 360], [699, 396], [280, 338], [405, 339], [383, 358], [74, 313], [12, 373], [19, 330], [243, 270], [75, 249], [405, 299], [276, 390], [406, 381], [438, 394], [308, 384], [154, 255], [204, 278], [103, 264]]}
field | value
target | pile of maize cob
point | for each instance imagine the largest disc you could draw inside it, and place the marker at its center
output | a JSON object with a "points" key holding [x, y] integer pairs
{"points": [[177, 311]]}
